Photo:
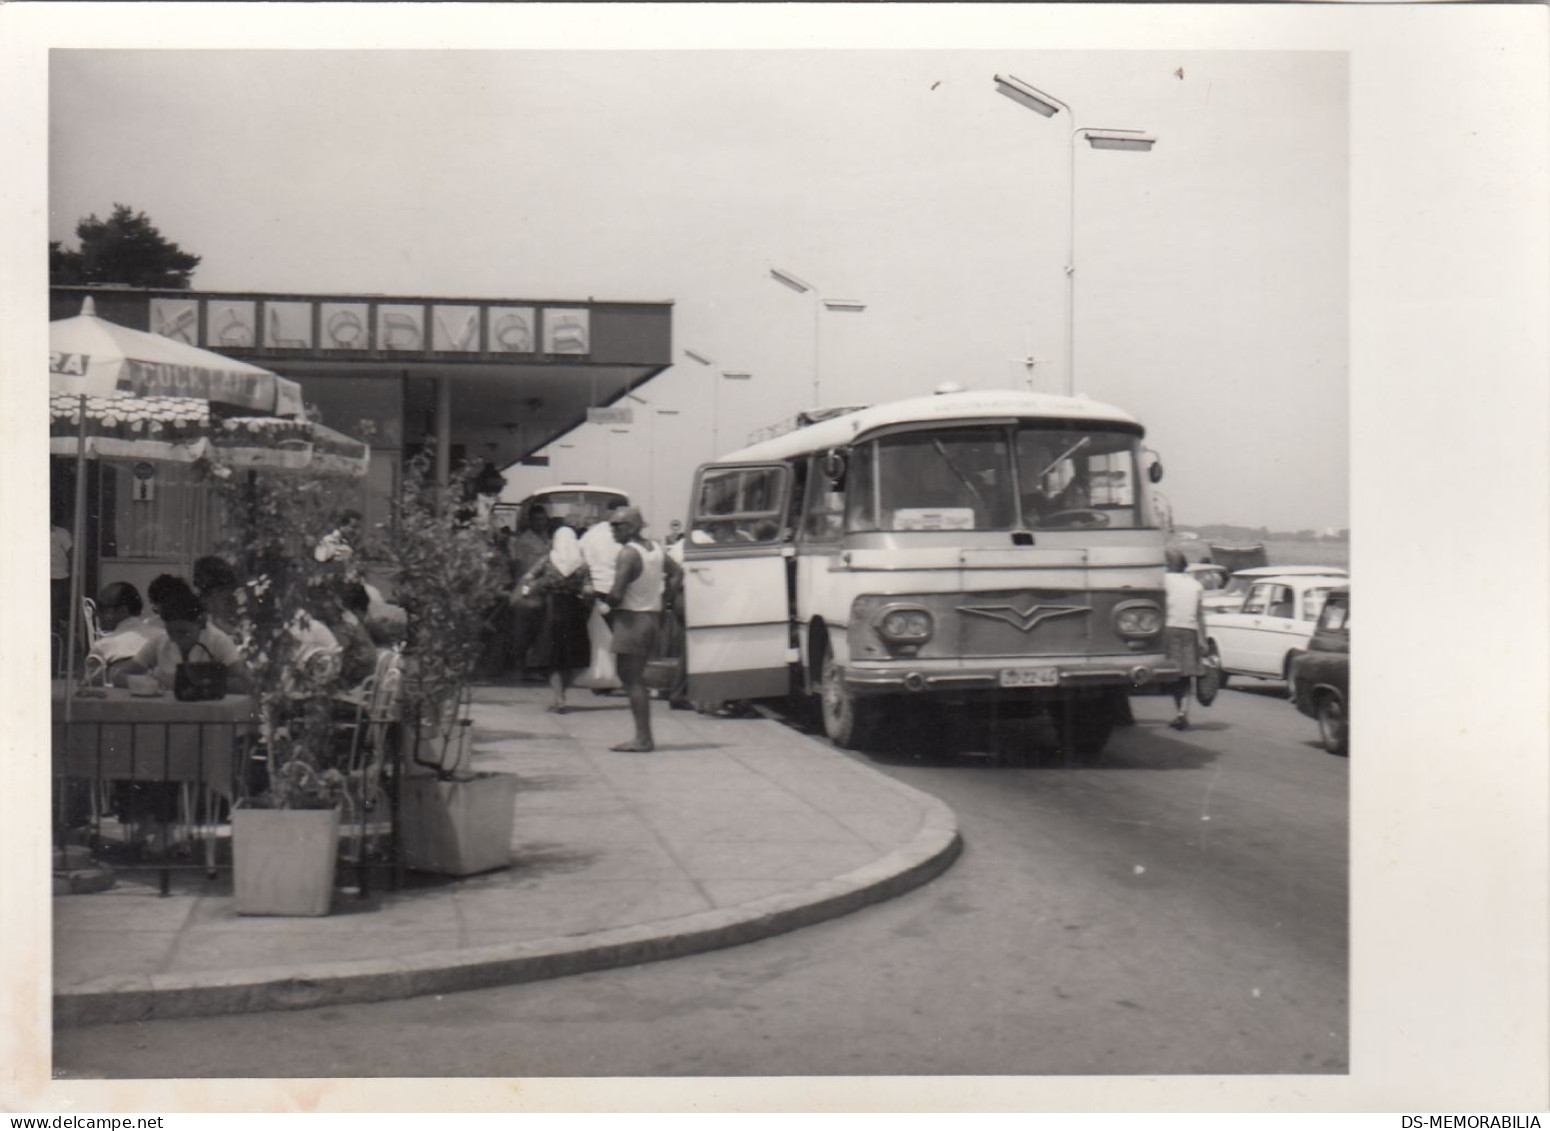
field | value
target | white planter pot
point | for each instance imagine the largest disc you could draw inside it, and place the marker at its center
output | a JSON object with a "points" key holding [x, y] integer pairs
{"points": [[284, 860], [457, 828]]}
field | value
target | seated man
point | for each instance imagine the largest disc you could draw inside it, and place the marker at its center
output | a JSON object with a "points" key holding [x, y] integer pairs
{"points": [[124, 630], [344, 615], [216, 583], [189, 638]]}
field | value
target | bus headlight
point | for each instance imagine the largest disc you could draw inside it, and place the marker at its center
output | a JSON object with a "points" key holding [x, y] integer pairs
{"points": [[905, 626], [1138, 618]]}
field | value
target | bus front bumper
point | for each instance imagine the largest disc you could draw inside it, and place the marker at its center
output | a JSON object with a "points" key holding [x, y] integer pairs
{"points": [[1133, 673]]}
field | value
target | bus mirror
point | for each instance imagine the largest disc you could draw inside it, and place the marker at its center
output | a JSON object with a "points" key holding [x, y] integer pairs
{"points": [[1154, 472], [834, 465]]}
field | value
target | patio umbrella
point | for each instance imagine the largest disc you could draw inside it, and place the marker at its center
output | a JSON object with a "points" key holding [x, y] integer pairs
{"points": [[125, 393]]}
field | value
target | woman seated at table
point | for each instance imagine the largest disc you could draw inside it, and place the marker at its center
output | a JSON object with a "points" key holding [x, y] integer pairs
{"points": [[189, 638], [163, 586], [124, 630]]}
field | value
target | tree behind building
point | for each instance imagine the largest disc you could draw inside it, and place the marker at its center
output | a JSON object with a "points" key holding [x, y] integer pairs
{"points": [[126, 249]]}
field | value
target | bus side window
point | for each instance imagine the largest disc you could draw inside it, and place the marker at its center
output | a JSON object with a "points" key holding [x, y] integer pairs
{"points": [[740, 506]]}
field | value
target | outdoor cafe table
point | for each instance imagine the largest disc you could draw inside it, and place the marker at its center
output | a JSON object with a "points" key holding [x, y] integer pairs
{"points": [[120, 737]]}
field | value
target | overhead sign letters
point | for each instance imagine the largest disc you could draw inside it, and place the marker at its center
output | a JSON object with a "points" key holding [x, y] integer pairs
{"points": [[175, 318], [344, 325], [455, 328], [288, 325], [511, 329], [401, 327], [230, 324], [567, 330]]}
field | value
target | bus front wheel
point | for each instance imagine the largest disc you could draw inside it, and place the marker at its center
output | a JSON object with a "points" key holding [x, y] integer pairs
{"points": [[849, 720]]}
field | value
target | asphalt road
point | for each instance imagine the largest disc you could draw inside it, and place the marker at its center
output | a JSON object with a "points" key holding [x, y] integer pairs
{"points": [[1179, 908]]}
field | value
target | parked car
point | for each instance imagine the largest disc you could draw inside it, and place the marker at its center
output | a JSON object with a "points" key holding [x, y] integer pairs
{"points": [[1272, 626], [578, 505], [1321, 676], [1230, 597]]}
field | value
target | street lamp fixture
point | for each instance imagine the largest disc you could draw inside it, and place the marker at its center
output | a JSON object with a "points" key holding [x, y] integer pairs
{"points": [[1030, 96], [788, 279], [820, 304], [1133, 141]]}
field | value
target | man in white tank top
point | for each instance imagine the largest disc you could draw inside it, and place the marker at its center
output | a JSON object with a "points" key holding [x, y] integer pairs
{"points": [[634, 608]]}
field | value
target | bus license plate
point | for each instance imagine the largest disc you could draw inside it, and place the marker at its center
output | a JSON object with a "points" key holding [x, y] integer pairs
{"points": [[1030, 677]]}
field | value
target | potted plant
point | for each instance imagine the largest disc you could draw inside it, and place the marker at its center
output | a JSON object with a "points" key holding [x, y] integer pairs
{"points": [[447, 578], [285, 827]]}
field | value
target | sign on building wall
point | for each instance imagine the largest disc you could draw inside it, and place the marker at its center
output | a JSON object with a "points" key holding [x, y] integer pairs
{"points": [[367, 326], [176, 318], [345, 326], [455, 329], [400, 327], [567, 330], [511, 329], [231, 324], [288, 325]]}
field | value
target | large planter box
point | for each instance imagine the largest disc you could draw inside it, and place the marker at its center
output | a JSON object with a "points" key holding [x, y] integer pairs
{"points": [[284, 860], [457, 827]]}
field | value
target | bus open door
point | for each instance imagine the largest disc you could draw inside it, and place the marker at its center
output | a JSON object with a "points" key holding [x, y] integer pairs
{"points": [[737, 583]]}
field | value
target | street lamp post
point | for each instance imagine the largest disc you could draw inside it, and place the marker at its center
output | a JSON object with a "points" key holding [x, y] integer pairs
{"points": [[715, 395], [1136, 141], [610, 449], [651, 471], [726, 375], [820, 304]]}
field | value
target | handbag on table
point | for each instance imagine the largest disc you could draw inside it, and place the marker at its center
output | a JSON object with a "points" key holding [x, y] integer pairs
{"points": [[197, 682]]}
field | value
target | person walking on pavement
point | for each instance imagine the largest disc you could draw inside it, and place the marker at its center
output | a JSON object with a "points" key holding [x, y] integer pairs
{"points": [[561, 582], [1184, 626], [634, 606], [601, 551]]}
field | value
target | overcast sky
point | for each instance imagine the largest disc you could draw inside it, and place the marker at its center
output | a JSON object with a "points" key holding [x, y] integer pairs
{"points": [[1211, 296]]}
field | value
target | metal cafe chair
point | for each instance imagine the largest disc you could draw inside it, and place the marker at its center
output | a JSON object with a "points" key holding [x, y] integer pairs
{"points": [[370, 734], [89, 625]]}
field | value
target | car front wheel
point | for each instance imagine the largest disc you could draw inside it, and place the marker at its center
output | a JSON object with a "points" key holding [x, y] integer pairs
{"points": [[1334, 727]]}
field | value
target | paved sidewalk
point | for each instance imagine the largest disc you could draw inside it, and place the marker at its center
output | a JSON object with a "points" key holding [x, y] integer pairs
{"points": [[733, 830]]}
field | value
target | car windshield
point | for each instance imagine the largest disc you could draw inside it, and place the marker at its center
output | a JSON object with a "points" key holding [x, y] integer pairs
{"points": [[1336, 615], [995, 477], [579, 508]]}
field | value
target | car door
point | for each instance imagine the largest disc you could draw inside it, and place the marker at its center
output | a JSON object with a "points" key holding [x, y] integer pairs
{"points": [[736, 594], [1239, 635], [1279, 630]]}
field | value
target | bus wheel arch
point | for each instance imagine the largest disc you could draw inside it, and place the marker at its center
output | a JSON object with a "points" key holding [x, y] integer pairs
{"points": [[851, 721]]}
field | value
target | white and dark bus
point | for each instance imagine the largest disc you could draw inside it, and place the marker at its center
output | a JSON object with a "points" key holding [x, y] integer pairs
{"points": [[967, 550]]}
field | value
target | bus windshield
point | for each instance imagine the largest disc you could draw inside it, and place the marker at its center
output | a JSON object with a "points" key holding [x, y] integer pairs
{"points": [[996, 478]]}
